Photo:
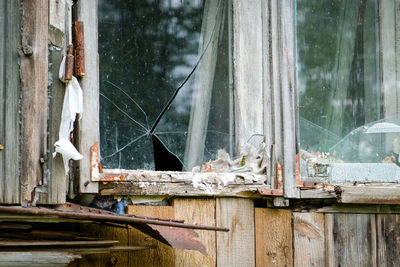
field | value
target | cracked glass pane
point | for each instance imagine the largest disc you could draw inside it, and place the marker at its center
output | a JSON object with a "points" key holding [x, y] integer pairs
{"points": [[348, 100], [165, 83]]}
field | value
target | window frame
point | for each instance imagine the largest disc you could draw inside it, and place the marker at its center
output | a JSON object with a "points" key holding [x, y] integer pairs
{"points": [[264, 73]]}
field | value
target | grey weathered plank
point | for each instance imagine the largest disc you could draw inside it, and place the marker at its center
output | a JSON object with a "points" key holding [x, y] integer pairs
{"points": [[34, 76], [369, 194], [9, 101], [248, 72], [388, 236], [350, 240], [236, 247], [88, 125], [57, 180], [178, 189], [309, 239], [288, 87]]}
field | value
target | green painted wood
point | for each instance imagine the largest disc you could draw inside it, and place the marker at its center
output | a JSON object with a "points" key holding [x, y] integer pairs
{"points": [[9, 101]]}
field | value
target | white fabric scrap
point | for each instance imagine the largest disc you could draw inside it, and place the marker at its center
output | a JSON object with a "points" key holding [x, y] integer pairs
{"points": [[73, 105]]}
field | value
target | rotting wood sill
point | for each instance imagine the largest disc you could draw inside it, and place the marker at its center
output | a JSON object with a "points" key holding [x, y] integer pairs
{"points": [[168, 183]]}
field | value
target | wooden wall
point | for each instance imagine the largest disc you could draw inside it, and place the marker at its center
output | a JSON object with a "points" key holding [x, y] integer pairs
{"points": [[260, 237]]}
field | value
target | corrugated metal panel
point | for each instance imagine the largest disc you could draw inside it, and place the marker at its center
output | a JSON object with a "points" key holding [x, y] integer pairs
{"points": [[9, 100]]}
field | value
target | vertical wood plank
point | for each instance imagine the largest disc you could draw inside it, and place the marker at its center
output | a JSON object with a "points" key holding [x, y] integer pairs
{"points": [[273, 237], [34, 78], [57, 179], [9, 101], [329, 241], [59, 36], [288, 89], [388, 237], [267, 86], [236, 247], [197, 211], [351, 240], [248, 75], [309, 239], [162, 255], [88, 125]]}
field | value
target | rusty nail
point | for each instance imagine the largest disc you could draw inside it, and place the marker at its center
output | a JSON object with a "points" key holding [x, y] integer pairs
{"points": [[86, 183]]}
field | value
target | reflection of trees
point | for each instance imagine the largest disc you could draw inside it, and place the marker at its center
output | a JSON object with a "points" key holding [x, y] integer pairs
{"points": [[146, 49], [324, 28]]}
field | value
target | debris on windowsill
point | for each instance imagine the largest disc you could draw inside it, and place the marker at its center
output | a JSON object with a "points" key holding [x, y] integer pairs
{"points": [[253, 160]]}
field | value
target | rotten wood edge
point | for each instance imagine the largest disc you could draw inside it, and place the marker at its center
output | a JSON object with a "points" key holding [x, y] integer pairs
{"points": [[168, 183]]}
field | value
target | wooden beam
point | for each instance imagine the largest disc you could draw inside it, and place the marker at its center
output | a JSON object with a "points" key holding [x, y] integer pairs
{"points": [[88, 126], [369, 194], [177, 189], [10, 39], [34, 77]]}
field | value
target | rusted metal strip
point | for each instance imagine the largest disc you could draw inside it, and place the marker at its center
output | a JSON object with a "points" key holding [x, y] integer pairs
{"points": [[69, 63], [104, 217], [278, 191], [80, 49]]}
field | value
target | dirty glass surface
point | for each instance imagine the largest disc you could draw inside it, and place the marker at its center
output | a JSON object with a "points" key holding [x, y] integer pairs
{"points": [[165, 82], [347, 118]]}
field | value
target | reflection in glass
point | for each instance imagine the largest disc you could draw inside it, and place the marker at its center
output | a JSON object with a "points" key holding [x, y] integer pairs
{"points": [[164, 82], [339, 85]]}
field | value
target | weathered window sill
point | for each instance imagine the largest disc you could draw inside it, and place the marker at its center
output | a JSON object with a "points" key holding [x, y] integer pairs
{"points": [[156, 183]]}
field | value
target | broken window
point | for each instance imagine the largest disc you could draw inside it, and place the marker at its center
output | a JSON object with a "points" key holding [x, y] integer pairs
{"points": [[348, 90], [166, 88]]}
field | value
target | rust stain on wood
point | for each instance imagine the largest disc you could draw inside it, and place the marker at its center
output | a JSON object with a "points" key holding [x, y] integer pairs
{"points": [[69, 63], [80, 49]]}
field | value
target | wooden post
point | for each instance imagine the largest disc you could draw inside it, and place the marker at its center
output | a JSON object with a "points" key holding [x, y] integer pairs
{"points": [[80, 49], [34, 78]]}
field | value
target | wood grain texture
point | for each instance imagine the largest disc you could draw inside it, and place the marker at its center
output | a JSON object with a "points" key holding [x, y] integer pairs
{"points": [[197, 211], [162, 255], [350, 240], [57, 179], [236, 247], [370, 194], [9, 101], [248, 72], [273, 237], [288, 87], [309, 239], [106, 232], [34, 78], [88, 125], [388, 238]]}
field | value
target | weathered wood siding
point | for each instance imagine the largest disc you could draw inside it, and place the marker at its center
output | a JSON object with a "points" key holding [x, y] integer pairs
{"points": [[263, 236], [9, 101]]}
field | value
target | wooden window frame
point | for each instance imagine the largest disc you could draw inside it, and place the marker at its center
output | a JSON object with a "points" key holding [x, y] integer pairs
{"points": [[264, 78]]}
